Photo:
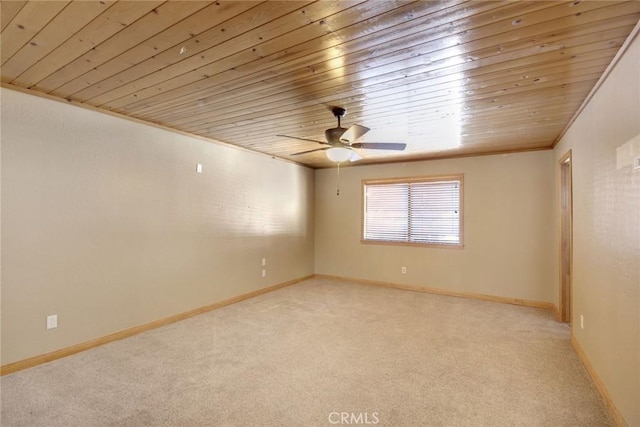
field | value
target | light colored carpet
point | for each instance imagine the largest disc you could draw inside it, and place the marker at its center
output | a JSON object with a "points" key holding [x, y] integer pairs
{"points": [[297, 355]]}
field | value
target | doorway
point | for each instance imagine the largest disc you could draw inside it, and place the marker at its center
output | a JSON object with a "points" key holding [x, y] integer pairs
{"points": [[566, 237]]}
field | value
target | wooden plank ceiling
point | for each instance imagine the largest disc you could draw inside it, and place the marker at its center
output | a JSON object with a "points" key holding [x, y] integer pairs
{"points": [[446, 77]]}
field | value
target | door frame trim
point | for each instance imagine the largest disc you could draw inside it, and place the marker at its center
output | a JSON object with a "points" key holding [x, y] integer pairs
{"points": [[562, 310]]}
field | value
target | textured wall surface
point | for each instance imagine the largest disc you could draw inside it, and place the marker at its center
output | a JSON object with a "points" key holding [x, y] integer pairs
{"points": [[606, 233], [507, 239], [106, 223]]}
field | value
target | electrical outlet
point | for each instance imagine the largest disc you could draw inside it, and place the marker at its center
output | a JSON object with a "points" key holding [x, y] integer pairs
{"points": [[264, 262], [404, 270], [198, 167], [581, 321], [52, 321], [264, 273]]}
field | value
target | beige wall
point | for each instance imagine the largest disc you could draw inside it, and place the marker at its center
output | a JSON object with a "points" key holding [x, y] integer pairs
{"points": [[606, 214], [507, 236], [106, 223]]}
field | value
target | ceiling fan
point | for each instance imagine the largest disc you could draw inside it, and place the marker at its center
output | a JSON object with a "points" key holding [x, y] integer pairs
{"points": [[340, 141]]}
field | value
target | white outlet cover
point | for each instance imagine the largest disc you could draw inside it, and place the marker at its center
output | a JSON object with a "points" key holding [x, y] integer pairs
{"points": [[52, 321], [264, 273], [264, 261], [198, 167]]}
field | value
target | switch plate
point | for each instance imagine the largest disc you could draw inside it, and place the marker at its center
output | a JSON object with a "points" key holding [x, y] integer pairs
{"points": [[264, 273], [581, 321], [52, 321], [404, 270], [264, 262], [198, 167]]}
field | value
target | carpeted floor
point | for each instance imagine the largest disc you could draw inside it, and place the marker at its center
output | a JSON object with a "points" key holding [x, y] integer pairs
{"points": [[306, 354]]}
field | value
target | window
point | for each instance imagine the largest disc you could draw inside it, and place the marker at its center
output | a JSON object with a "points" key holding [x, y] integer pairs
{"points": [[424, 211]]}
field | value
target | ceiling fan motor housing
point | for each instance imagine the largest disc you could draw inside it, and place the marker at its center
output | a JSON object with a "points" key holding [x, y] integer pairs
{"points": [[333, 135]]}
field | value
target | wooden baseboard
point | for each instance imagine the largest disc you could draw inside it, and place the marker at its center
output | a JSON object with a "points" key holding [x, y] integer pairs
{"points": [[617, 416], [68, 351], [492, 298], [556, 313]]}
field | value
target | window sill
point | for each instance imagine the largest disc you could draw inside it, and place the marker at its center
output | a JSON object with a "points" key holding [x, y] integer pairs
{"points": [[423, 245]]}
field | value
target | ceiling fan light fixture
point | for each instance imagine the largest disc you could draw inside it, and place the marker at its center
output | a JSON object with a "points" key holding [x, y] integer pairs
{"points": [[355, 156], [339, 154]]}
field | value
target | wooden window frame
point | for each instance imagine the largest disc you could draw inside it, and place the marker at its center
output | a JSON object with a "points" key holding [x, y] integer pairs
{"points": [[408, 180]]}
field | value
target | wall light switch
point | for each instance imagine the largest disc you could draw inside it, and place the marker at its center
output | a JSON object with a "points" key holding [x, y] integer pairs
{"points": [[52, 321], [198, 167], [264, 273], [264, 261]]}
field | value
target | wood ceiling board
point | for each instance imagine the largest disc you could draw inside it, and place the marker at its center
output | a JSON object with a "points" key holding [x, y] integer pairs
{"points": [[29, 20], [435, 86], [121, 14], [228, 55], [472, 78], [327, 67], [185, 34], [384, 97], [383, 46], [318, 97], [155, 21], [8, 10], [314, 73], [209, 37], [278, 63], [66, 23], [257, 47]]}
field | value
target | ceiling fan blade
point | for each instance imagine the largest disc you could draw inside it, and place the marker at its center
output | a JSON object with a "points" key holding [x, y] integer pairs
{"points": [[353, 133], [304, 139], [309, 151], [396, 146]]}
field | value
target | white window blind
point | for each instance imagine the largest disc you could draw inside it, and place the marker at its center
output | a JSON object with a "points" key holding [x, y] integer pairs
{"points": [[417, 211]]}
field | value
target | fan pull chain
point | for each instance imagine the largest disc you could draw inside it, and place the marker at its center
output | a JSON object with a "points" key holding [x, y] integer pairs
{"points": [[338, 181]]}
